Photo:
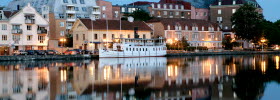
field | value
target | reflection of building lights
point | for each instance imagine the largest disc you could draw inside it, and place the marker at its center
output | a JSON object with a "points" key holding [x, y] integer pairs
{"points": [[263, 66], [172, 71], [107, 70], [277, 62], [63, 75], [217, 71]]}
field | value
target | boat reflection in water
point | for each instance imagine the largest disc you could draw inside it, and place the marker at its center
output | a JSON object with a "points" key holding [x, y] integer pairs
{"points": [[152, 78]]}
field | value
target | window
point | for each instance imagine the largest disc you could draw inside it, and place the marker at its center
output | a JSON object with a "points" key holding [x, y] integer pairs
{"points": [[78, 16], [29, 37], [86, 16], [123, 9], [61, 33], [233, 2], [74, 1], [95, 36], [177, 7], [168, 27], [84, 37], [182, 14], [84, 9], [220, 3], [165, 12], [61, 24], [128, 36], [202, 28], [219, 11], [182, 7], [158, 5], [4, 26], [77, 37], [186, 28], [196, 13], [177, 13], [76, 8], [170, 6], [104, 36], [113, 36], [4, 37], [41, 39], [233, 11], [164, 6], [219, 19], [82, 1], [171, 13], [29, 27], [103, 8], [205, 14], [144, 36], [61, 16], [65, 1], [116, 14]]}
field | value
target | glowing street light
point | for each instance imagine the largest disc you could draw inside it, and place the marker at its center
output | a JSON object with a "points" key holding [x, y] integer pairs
{"points": [[262, 40], [62, 40]]}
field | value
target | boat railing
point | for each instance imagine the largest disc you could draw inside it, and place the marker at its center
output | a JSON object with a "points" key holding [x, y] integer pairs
{"points": [[143, 44]]}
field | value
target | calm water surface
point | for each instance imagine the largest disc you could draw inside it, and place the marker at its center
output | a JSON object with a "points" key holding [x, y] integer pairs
{"points": [[250, 77]]}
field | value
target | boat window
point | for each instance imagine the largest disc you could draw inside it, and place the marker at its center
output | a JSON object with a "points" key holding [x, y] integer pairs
{"points": [[146, 49], [136, 49], [154, 49], [126, 49], [133, 49], [139, 49], [143, 49]]}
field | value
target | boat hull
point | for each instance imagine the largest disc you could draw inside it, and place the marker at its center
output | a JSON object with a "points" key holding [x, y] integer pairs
{"points": [[123, 54]]}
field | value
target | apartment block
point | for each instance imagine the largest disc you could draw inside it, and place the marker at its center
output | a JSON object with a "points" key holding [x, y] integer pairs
{"points": [[23, 30]]}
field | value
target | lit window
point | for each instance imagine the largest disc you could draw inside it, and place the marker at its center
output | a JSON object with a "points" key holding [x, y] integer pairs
{"points": [[219, 11]]}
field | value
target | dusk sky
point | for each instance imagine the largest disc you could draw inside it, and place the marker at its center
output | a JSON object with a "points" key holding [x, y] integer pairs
{"points": [[271, 7]]}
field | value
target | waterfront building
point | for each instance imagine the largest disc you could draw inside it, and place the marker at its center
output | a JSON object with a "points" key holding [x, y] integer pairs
{"points": [[23, 30], [164, 9], [62, 14], [95, 34], [196, 32], [222, 10]]}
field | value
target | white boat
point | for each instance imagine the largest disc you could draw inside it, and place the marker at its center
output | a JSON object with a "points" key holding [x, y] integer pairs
{"points": [[127, 47]]}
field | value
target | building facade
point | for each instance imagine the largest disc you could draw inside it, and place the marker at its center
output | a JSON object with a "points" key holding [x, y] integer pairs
{"points": [[95, 34], [24, 30], [196, 32]]}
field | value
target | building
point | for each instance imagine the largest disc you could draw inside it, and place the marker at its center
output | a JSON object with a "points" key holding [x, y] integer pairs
{"points": [[61, 14], [165, 9], [95, 34], [23, 30], [199, 8], [196, 32], [222, 10], [105, 9]]}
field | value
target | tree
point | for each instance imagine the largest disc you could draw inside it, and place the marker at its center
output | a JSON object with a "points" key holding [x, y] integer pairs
{"points": [[69, 40], [140, 15], [247, 23], [271, 31]]}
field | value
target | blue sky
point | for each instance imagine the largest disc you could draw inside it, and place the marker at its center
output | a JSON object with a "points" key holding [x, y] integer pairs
{"points": [[270, 7]]}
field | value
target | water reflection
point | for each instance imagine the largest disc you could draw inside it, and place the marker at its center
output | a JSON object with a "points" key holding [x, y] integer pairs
{"points": [[185, 78]]}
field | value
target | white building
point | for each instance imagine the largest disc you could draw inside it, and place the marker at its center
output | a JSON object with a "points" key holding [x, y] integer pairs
{"points": [[23, 30]]}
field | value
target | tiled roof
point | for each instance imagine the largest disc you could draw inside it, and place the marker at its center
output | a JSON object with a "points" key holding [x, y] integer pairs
{"points": [[172, 22], [115, 25], [9, 14]]}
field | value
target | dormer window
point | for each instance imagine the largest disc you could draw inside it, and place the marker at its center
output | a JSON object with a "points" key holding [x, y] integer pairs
{"points": [[220, 3], [180, 28], [158, 5], [170, 7], [233, 2], [177, 7], [153, 5], [182, 7], [164, 6], [202, 28]]}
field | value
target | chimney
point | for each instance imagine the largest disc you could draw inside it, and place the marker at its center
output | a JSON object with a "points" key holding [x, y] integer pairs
{"points": [[130, 19]]}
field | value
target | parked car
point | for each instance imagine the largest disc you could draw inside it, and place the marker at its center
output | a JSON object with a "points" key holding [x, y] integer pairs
{"points": [[55, 52], [50, 52], [87, 52], [20, 52], [79, 51], [35, 52], [70, 52]]}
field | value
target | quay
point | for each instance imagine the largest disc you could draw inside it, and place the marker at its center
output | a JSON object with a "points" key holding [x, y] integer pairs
{"points": [[169, 54]]}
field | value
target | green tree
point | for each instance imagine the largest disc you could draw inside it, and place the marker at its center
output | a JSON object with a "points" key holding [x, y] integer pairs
{"points": [[140, 15], [247, 23], [271, 31], [69, 40]]}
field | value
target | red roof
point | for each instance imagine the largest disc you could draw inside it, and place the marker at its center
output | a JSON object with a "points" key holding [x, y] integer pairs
{"points": [[115, 25]]}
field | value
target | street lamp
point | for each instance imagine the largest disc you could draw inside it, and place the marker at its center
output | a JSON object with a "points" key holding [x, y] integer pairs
{"points": [[262, 40], [62, 40]]}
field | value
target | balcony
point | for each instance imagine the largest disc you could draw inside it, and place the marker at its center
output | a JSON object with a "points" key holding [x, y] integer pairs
{"points": [[29, 21], [16, 31], [68, 27], [69, 11], [42, 31], [96, 12], [71, 19]]}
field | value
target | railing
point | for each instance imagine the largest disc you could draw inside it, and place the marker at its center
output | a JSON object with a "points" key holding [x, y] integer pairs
{"points": [[16, 31], [42, 31], [146, 44], [29, 21]]}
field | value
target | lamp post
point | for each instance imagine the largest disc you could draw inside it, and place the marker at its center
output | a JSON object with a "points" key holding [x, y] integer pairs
{"points": [[262, 40], [177, 43], [62, 40]]}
